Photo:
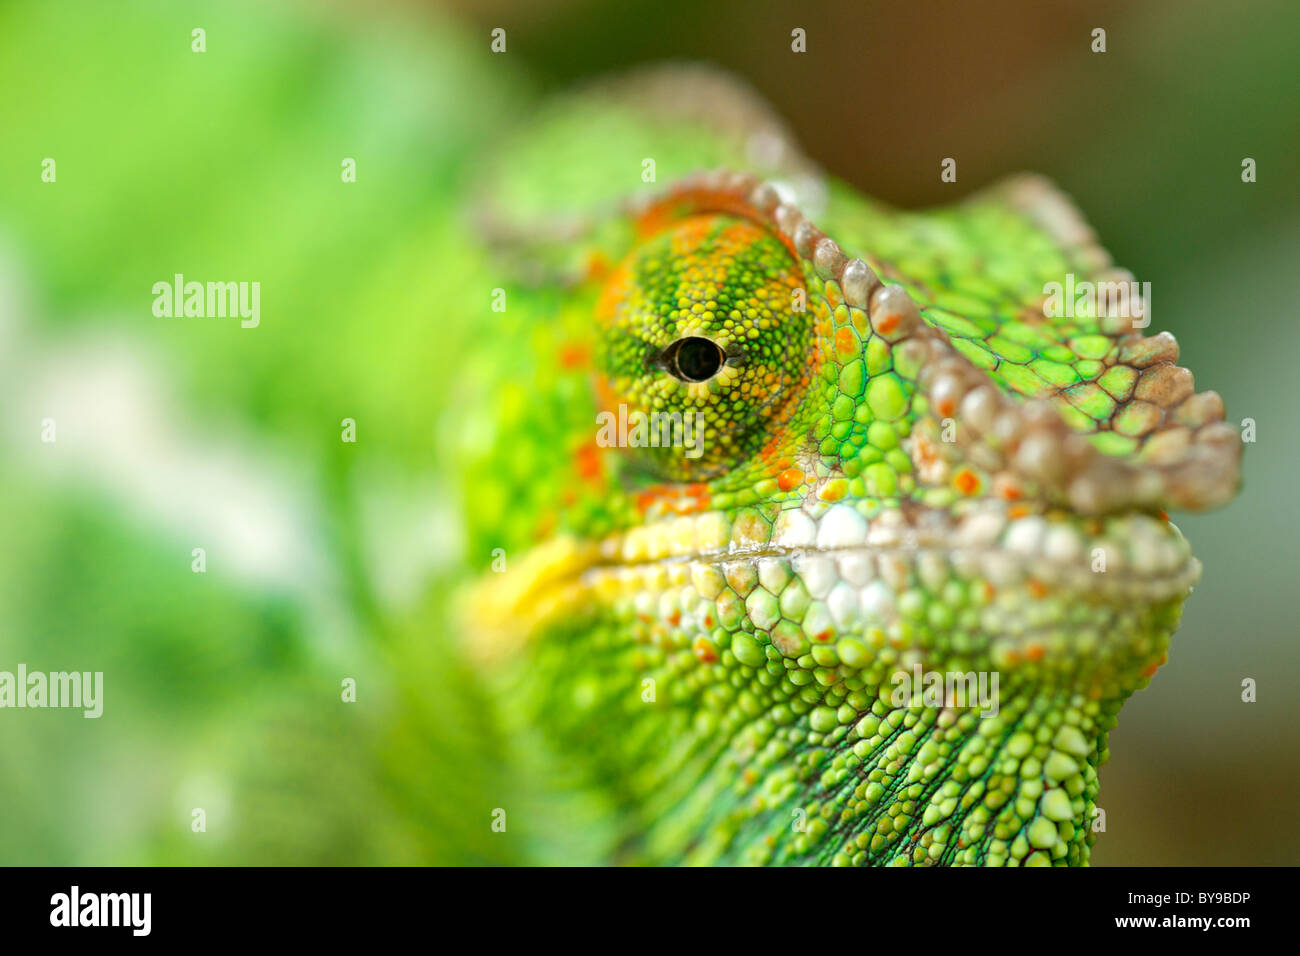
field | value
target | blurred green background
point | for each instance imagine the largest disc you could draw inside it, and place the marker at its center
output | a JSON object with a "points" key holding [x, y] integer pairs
{"points": [[329, 560]]}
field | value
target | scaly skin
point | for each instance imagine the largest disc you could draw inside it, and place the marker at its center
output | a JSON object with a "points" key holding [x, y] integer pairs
{"points": [[919, 468]]}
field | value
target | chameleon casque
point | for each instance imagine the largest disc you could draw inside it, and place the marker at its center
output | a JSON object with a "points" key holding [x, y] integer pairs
{"points": [[905, 463]]}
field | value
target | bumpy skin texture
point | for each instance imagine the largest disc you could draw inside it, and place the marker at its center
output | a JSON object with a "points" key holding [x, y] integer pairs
{"points": [[905, 464]]}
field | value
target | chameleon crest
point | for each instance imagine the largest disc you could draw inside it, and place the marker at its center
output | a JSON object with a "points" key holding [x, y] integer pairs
{"points": [[884, 606]]}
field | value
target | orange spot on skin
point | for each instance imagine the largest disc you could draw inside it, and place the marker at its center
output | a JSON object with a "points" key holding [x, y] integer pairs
{"points": [[790, 479], [607, 398], [834, 491], [663, 214], [1150, 671], [888, 323], [614, 291], [846, 344], [1010, 492], [1017, 511], [822, 637], [587, 461], [675, 618], [770, 452], [598, 265], [1036, 588], [966, 482], [677, 499], [925, 450], [574, 355]]}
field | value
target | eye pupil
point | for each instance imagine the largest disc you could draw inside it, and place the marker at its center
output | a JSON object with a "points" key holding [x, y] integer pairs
{"points": [[695, 359]]}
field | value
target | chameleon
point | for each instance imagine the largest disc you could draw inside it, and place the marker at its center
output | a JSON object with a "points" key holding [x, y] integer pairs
{"points": [[916, 472], [882, 458]]}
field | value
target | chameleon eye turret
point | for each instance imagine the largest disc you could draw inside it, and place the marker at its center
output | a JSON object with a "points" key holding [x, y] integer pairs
{"points": [[702, 326]]}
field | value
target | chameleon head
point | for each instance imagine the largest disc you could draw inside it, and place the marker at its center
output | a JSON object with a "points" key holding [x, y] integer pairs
{"points": [[923, 539], [858, 484]]}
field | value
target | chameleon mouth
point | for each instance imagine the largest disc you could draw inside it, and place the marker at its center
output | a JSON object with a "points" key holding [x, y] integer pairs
{"points": [[1143, 554], [1022, 575]]}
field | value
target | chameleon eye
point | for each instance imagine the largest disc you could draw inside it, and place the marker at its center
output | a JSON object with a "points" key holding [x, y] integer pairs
{"points": [[694, 359], [704, 335]]}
